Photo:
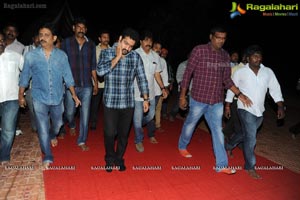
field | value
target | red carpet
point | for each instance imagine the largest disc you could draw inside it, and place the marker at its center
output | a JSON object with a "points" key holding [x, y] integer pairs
{"points": [[86, 180]]}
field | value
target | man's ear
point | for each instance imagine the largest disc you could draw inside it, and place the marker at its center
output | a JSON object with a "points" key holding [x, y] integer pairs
{"points": [[54, 38]]}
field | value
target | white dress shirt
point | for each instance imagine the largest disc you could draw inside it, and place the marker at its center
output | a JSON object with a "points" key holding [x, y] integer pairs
{"points": [[152, 65], [11, 63], [164, 76], [255, 87]]}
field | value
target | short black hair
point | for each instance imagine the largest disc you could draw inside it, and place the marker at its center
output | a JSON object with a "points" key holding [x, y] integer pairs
{"points": [[49, 26], [146, 34], [102, 31], [12, 24], [218, 28], [130, 32], [254, 49], [79, 20]]}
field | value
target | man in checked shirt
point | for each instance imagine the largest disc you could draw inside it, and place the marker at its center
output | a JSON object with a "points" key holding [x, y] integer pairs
{"points": [[120, 66], [209, 68]]}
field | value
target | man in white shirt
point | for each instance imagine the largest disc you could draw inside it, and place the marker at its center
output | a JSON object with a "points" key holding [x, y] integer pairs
{"points": [[11, 63], [254, 80], [158, 93], [11, 33], [152, 68], [104, 39]]}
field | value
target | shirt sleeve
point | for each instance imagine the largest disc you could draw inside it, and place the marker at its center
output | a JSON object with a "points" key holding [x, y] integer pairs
{"points": [[104, 64], [229, 93], [25, 74], [274, 87], [141, 78], [67, 73]]}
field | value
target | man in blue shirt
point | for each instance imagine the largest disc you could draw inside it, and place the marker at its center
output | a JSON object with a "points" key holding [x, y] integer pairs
{"points": [[49, 69], [120, 65]]}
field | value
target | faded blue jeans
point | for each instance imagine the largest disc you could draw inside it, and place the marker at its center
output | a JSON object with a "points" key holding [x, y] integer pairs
{"points": [[85, 96], [213, 115], [250, 123], [141, 119], [49, 120], [28, 98], [8, 118]]}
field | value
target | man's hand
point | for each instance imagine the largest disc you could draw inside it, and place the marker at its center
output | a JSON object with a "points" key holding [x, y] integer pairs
{"points": [[22, 102], [95, 90], [146, 105], [77, 101], [245, 100], [227, 112], [183, 103], [280, 113], [165, 93], [119, 48]]}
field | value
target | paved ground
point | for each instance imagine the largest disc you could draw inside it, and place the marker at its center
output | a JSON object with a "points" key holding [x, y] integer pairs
{"points": [[23, 177], [277, 143]]}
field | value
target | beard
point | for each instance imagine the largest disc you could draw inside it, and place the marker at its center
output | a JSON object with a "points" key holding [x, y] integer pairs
{"points": [[124, 52]]}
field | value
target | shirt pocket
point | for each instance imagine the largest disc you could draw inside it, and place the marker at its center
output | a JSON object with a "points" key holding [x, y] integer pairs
{"points": [[11, 67]]}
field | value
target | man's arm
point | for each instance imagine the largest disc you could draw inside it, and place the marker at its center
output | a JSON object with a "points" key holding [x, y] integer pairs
{"points": [[95, 79], [160, 83], [22, 101], [74, 96]]}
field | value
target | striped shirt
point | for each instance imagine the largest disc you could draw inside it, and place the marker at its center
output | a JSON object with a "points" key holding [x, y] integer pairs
{"points": [[210, 72], [82, 60], [119, 88]]}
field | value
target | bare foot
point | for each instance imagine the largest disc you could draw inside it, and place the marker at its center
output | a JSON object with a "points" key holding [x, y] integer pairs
{"points": [[84, 147], [153, 140], [54, 142], [45, 165], [72, 131], [253, 174]]}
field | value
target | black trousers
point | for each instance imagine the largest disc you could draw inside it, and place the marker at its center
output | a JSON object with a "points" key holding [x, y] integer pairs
{"points": [[95, 107], [117, 123], [233, 124]]}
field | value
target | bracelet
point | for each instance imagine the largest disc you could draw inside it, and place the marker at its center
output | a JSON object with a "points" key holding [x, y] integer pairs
{"points": [[163, 88], [238, 94], [147, 100]]}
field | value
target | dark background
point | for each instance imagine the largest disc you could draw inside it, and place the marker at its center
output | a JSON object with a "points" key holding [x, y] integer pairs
{"points": [[180, 25]]}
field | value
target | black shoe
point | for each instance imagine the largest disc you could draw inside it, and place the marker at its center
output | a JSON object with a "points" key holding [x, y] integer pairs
{"points": [[108, 167], [122, 168], [93, 126], [229, 153]]}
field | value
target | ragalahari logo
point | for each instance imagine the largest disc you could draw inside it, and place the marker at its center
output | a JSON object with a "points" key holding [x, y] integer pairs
{"points": [[236, 10]]}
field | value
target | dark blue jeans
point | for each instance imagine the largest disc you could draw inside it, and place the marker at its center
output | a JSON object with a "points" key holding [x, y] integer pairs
{"points": [[250, 123], [85, 95]]}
